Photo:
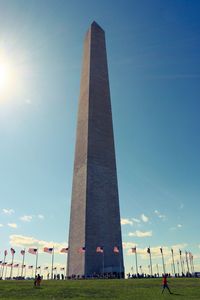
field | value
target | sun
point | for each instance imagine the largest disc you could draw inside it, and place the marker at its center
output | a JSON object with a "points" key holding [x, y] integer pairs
{"points": [[4, 75]]}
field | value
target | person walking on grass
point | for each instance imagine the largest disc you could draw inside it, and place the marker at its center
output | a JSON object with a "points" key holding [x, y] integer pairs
{"points": [[165, 284]]}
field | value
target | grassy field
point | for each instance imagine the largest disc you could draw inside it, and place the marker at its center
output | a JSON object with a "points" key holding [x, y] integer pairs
{"points": [[140, 289]]}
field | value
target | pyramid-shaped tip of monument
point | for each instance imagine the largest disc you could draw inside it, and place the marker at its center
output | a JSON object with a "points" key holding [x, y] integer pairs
{"points": [[96, 25]]}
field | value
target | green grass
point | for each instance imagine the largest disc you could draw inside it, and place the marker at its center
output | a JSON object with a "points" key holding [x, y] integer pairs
{"points": [[139, 289]]}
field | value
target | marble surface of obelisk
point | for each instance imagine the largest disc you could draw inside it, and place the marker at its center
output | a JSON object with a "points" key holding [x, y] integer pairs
{"points": [[95, 215]]}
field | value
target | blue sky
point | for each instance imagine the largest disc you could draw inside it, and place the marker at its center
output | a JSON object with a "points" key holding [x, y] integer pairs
{"points": [[153, 56]]}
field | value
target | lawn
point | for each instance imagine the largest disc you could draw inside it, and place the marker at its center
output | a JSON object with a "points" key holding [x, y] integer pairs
{"points": [[134, 289]]}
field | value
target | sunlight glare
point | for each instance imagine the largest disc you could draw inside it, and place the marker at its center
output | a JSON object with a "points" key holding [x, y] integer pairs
{"points": [[4, 75]]}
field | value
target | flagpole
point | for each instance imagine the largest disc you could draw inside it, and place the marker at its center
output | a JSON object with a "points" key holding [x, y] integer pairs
{"points": [[11, 270], [157, 269], [18, 271], [103, 261], [186, 258], [136, 263], [150, 260], [193, 263], [36, 262], [52, 261], [4, 260], [120, 269], [66, 265], [180, 252], [178, 267], [23, 263], [161, 250], [6, 271], [173, 261]]}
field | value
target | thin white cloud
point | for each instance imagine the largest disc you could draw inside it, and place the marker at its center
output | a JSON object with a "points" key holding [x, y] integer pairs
{"points": [[136, 220], [12, 225], [144, 218], [140, 234], [178, 226], [159, 215], [27, 241], [26, 218], [41, 217], [125, 221], [8, 211], [129, 245]]}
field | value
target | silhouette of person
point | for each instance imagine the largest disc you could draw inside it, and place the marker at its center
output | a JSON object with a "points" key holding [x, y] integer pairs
{"points": [[165, 284]]}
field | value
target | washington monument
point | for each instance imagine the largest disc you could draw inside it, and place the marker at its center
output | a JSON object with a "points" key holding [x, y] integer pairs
{"points": [[95, 244]]}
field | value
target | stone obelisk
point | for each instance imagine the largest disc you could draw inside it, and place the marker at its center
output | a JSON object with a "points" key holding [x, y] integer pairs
{"points": [[95, 215]]}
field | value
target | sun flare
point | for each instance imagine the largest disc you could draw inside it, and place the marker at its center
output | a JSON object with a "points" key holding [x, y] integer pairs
{"points": [[4, 75]]}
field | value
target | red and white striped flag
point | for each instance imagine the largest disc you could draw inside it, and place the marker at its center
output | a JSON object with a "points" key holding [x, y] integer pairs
{"points": [[81, 250], [48, 250], [133, 250], [64, 250], [116, 249], [33, 251], [30, 267], [22, 252], [99, 249], [12, 251]]}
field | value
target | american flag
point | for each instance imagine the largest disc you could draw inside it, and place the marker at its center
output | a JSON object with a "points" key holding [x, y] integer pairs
{"points": [[12, 251], [133, 250], [48, 250], [99, 249], [64, 250], [116, 249], [5, 253], [30, 267], [81, 250], [22, 252], [33, 251], [148, 250], [16, 266]]}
